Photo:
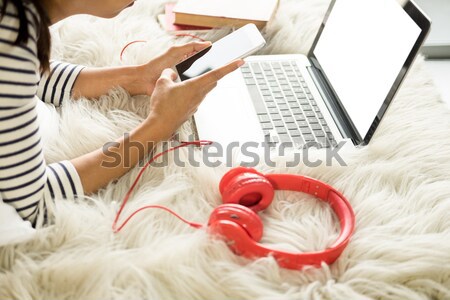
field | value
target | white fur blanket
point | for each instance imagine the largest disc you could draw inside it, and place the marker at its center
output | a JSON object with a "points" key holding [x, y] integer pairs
{"points": [[399, 187]]}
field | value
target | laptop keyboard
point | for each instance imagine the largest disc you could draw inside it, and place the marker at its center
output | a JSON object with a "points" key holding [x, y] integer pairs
{"points": [[286, 109]]}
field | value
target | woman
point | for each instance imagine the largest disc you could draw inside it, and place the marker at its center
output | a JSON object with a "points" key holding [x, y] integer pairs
{"points": [[26, 182]]}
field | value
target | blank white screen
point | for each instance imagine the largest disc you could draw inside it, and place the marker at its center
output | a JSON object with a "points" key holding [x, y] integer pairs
{"points": [[362, 50]]}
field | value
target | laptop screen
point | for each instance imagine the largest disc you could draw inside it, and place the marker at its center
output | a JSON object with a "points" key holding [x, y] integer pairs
{"points": [[362, 50]]}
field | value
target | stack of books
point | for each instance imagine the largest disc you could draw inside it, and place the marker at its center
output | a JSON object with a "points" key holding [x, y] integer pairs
{"points": [[202, 15]]}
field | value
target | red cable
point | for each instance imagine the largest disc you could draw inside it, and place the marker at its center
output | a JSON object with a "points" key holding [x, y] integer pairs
{"points": [[190, 35], [142, 41], [128, 194], [130, 43]]}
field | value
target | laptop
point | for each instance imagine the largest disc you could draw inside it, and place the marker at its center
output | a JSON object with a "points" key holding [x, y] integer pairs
{"points": [[338, 92]]}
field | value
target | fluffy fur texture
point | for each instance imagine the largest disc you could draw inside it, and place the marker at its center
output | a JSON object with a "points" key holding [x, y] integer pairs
{"points": [[399, 188]]}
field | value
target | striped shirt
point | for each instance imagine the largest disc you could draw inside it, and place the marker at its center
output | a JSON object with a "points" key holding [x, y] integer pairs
{"points": [[26, 182]]}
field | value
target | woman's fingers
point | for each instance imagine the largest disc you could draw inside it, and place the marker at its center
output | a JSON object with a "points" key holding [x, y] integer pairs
{"points": [[168, 74], [210, 78], [183, 51]]}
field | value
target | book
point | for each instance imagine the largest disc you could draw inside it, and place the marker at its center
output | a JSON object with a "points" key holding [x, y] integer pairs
{"points": [[168, 18], [217, 13]]}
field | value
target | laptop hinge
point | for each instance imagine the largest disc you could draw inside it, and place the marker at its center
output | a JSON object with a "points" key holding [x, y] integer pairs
{"points": [[340, 117]]}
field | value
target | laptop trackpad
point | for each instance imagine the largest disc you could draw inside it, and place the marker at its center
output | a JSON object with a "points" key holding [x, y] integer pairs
{"points": [[227, 114]]}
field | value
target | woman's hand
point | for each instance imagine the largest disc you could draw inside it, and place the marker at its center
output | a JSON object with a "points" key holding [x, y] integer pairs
{"points": [[137, 80], [148, 74], [173, 103]]}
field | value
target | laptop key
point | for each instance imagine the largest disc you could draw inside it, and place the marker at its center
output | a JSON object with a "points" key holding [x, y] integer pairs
{"points": [[270, 104], [276, 65], [308, 138], [291, 126], [263, 118], [256, 68], [296, 107], [276, 89], [286, 113], [285, 87], [295, 132], [278, 95], [273, 110], [316, 127], [250, 81], [278, 123], [319, 133], [266, 66], [261, 81], [267, 126], [305, 130], [281, 130], [303, 101], [284, 138], [302, 124], [283, 106], [300, 118], [291, 99], [289, 120], [276, 117], [296, 110]]}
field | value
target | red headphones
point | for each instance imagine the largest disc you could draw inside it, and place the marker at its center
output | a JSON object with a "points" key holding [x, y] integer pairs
{"points": [[246, 191]]}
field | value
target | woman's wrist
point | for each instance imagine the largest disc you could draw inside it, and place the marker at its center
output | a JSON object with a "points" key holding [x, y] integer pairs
{"points": [[132, 80], [158, 126]]}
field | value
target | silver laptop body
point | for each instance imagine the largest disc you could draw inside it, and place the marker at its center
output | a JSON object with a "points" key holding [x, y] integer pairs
{"points": [[325, 97]]}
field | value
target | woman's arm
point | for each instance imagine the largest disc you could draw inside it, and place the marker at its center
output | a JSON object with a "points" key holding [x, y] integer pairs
{"points": [[137, 80], [171, 105]]}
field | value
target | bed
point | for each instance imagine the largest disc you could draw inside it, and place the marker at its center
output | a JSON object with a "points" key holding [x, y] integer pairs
{"points": [[398, 186]]}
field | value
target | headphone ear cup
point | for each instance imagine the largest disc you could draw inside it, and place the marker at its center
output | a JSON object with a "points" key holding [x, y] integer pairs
{"points": [[233, 173], [244, 217], [250, 189]]}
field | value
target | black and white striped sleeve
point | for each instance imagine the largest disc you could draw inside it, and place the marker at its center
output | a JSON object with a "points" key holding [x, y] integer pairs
{"points": [[26, 182], [56, 85]]}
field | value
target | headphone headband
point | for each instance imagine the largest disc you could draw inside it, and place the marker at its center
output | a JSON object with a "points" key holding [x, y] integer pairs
{"points": [[247, 186]]}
